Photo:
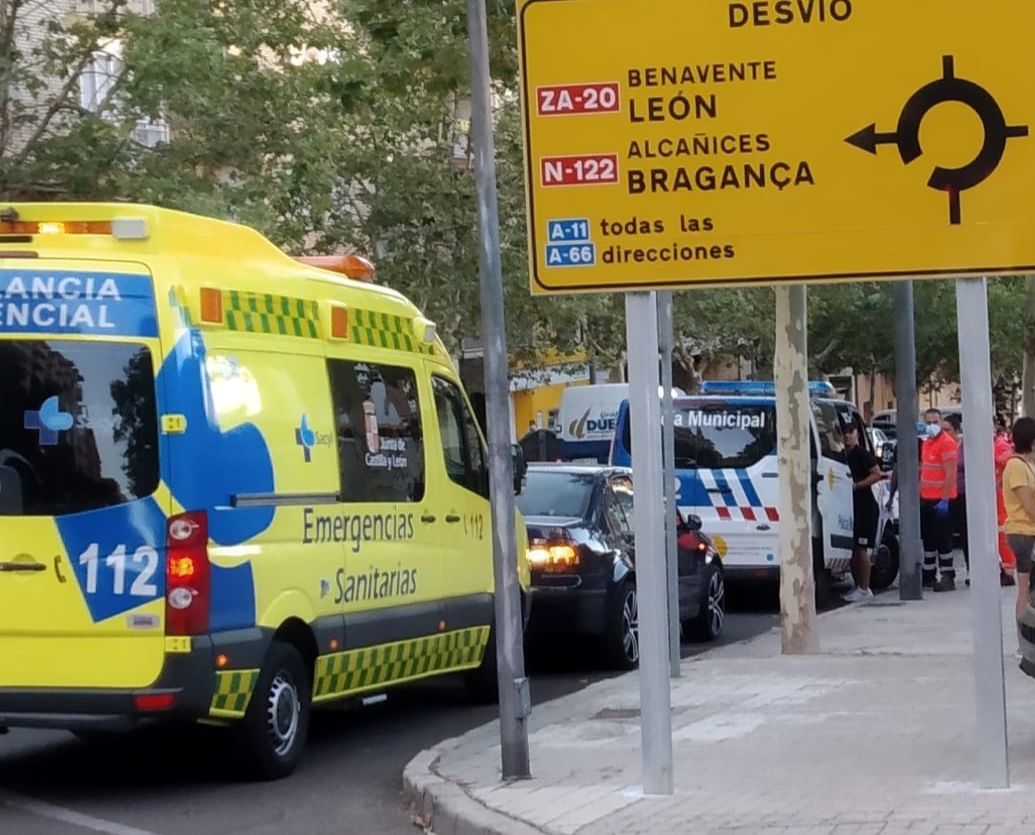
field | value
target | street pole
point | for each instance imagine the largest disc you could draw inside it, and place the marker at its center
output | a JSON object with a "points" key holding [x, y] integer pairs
{"points": [[985, 595], [510, 665], [641, 325], [793, 413], [907, 468], [666, 340]]}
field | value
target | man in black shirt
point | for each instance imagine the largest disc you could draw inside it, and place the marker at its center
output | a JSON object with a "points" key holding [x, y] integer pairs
{"points": [[865, 473]]}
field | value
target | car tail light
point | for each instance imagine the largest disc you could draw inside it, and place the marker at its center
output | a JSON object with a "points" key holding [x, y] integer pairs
{"points": [[553, 555], [188, 575]]}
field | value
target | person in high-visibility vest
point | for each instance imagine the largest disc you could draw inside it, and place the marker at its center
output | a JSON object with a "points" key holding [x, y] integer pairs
{"points": [[938, 488]]}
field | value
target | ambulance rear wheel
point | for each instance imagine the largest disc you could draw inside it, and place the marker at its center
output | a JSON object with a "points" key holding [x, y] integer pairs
{"points": [[274, 729]]}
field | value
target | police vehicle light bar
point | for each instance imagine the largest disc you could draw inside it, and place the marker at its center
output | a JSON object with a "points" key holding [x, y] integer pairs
{"points": [[752, 388]]}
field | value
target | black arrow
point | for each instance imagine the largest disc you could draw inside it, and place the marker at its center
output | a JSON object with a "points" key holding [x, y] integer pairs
{"points": [[868, 139]]}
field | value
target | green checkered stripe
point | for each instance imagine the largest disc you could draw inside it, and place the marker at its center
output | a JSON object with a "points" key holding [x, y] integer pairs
{"points": [[233, 692], [268, 313], [371, 667], [383, 330]]}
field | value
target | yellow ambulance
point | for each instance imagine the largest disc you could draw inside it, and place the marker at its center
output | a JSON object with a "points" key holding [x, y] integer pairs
{"points": [[232, 485]]}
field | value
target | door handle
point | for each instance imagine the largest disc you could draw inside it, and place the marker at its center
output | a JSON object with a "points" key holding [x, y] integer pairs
{"points": [[22, 566], [719, 490], [428, 518], [452, 518]]}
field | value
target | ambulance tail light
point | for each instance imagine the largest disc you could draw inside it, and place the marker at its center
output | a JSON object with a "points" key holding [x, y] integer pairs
{"points": [[188, 575]]}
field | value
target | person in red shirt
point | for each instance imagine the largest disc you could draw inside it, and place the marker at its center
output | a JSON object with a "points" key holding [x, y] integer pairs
{"points": [[938, 488], [1003, 453]]}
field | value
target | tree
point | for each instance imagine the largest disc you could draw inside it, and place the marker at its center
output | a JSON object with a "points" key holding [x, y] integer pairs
{"points": [[226, 77]]}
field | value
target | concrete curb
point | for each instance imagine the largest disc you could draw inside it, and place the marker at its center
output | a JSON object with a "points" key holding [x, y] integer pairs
{"points": [[447, 809]]}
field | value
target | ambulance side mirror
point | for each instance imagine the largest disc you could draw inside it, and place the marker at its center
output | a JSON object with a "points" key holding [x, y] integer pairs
{"points": [[520, 468]]}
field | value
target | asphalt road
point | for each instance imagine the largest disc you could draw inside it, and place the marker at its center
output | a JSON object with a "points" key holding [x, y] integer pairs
{"points": [[162, 782]]}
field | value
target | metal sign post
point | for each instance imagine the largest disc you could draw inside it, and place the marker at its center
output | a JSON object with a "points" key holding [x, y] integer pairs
{"points": [[907, 469], [668, 451], [641, 324], [514, 700], [978, 416]]}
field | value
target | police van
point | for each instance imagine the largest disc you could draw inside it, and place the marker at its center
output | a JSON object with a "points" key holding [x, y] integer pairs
{"points": [[726, 465], [232, 485]]}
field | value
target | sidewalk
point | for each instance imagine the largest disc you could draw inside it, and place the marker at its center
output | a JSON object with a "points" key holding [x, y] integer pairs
{"points": [[873, 737]]}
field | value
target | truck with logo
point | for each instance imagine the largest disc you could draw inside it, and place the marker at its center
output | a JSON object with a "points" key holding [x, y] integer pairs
{"points": [[726, 467], [232, 485], [588, 416]]}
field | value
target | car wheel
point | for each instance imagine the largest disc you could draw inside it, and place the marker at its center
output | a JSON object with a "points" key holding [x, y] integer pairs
{"points": [[885, 562], [621, 642], [707, 626], [274, 729]]}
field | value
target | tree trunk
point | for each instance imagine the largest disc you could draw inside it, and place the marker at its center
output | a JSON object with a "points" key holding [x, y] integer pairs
{"points": [[797, 581], [1028, 373]]}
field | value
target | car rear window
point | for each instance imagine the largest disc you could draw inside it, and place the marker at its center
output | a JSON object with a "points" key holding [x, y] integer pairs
{"points": [[558, 494], [718, 435], [78, 426]]}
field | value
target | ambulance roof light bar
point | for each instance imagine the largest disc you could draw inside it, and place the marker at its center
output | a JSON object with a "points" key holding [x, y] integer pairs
{"points": [[351, 266]]}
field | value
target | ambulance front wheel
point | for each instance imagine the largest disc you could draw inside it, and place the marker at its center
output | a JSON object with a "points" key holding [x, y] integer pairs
{"points": [[274, 729]]}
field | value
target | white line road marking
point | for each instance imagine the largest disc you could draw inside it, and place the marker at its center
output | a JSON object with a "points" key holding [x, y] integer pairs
{"points": [[57, 813]]}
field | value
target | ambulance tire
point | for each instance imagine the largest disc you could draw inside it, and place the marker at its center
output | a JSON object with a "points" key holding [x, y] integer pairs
{"points": [[273, 733], [885, 562], [822, 578], [483, 687]]}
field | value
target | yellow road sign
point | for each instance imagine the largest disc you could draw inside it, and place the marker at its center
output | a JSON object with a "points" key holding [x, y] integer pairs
{"points": [[676, 143]]}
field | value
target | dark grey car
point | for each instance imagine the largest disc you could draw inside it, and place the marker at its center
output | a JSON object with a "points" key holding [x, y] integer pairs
{"points": [[583, 560]]}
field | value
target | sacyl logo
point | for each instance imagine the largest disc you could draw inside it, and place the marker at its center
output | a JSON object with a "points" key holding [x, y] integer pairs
{"points": [[308, 438], [49, 421]]}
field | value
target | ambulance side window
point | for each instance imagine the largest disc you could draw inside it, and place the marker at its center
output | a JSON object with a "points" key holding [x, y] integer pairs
{"points": [[832, 444], [461, 443], [379, 433]]}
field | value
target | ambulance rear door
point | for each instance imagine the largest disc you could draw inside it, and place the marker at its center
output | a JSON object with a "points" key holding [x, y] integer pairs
{"points": [[726, 466], [834, 487], [82, 512]]}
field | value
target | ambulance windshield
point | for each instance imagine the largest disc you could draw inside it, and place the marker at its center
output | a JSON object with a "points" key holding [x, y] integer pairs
{"points": [[78, 426]]}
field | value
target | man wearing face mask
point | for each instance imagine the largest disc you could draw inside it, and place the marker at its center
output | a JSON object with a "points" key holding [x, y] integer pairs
{"points": [[938, 488]]}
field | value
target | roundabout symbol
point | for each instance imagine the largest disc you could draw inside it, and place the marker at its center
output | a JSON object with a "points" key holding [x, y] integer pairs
{"points": [[948, 88]]}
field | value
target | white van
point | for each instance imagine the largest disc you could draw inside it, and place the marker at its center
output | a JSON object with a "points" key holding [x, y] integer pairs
{"points": [[726, 464], [588, 416]]}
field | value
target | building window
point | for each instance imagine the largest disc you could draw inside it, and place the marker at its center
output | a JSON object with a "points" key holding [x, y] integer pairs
{"points": [[98, 80]]}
